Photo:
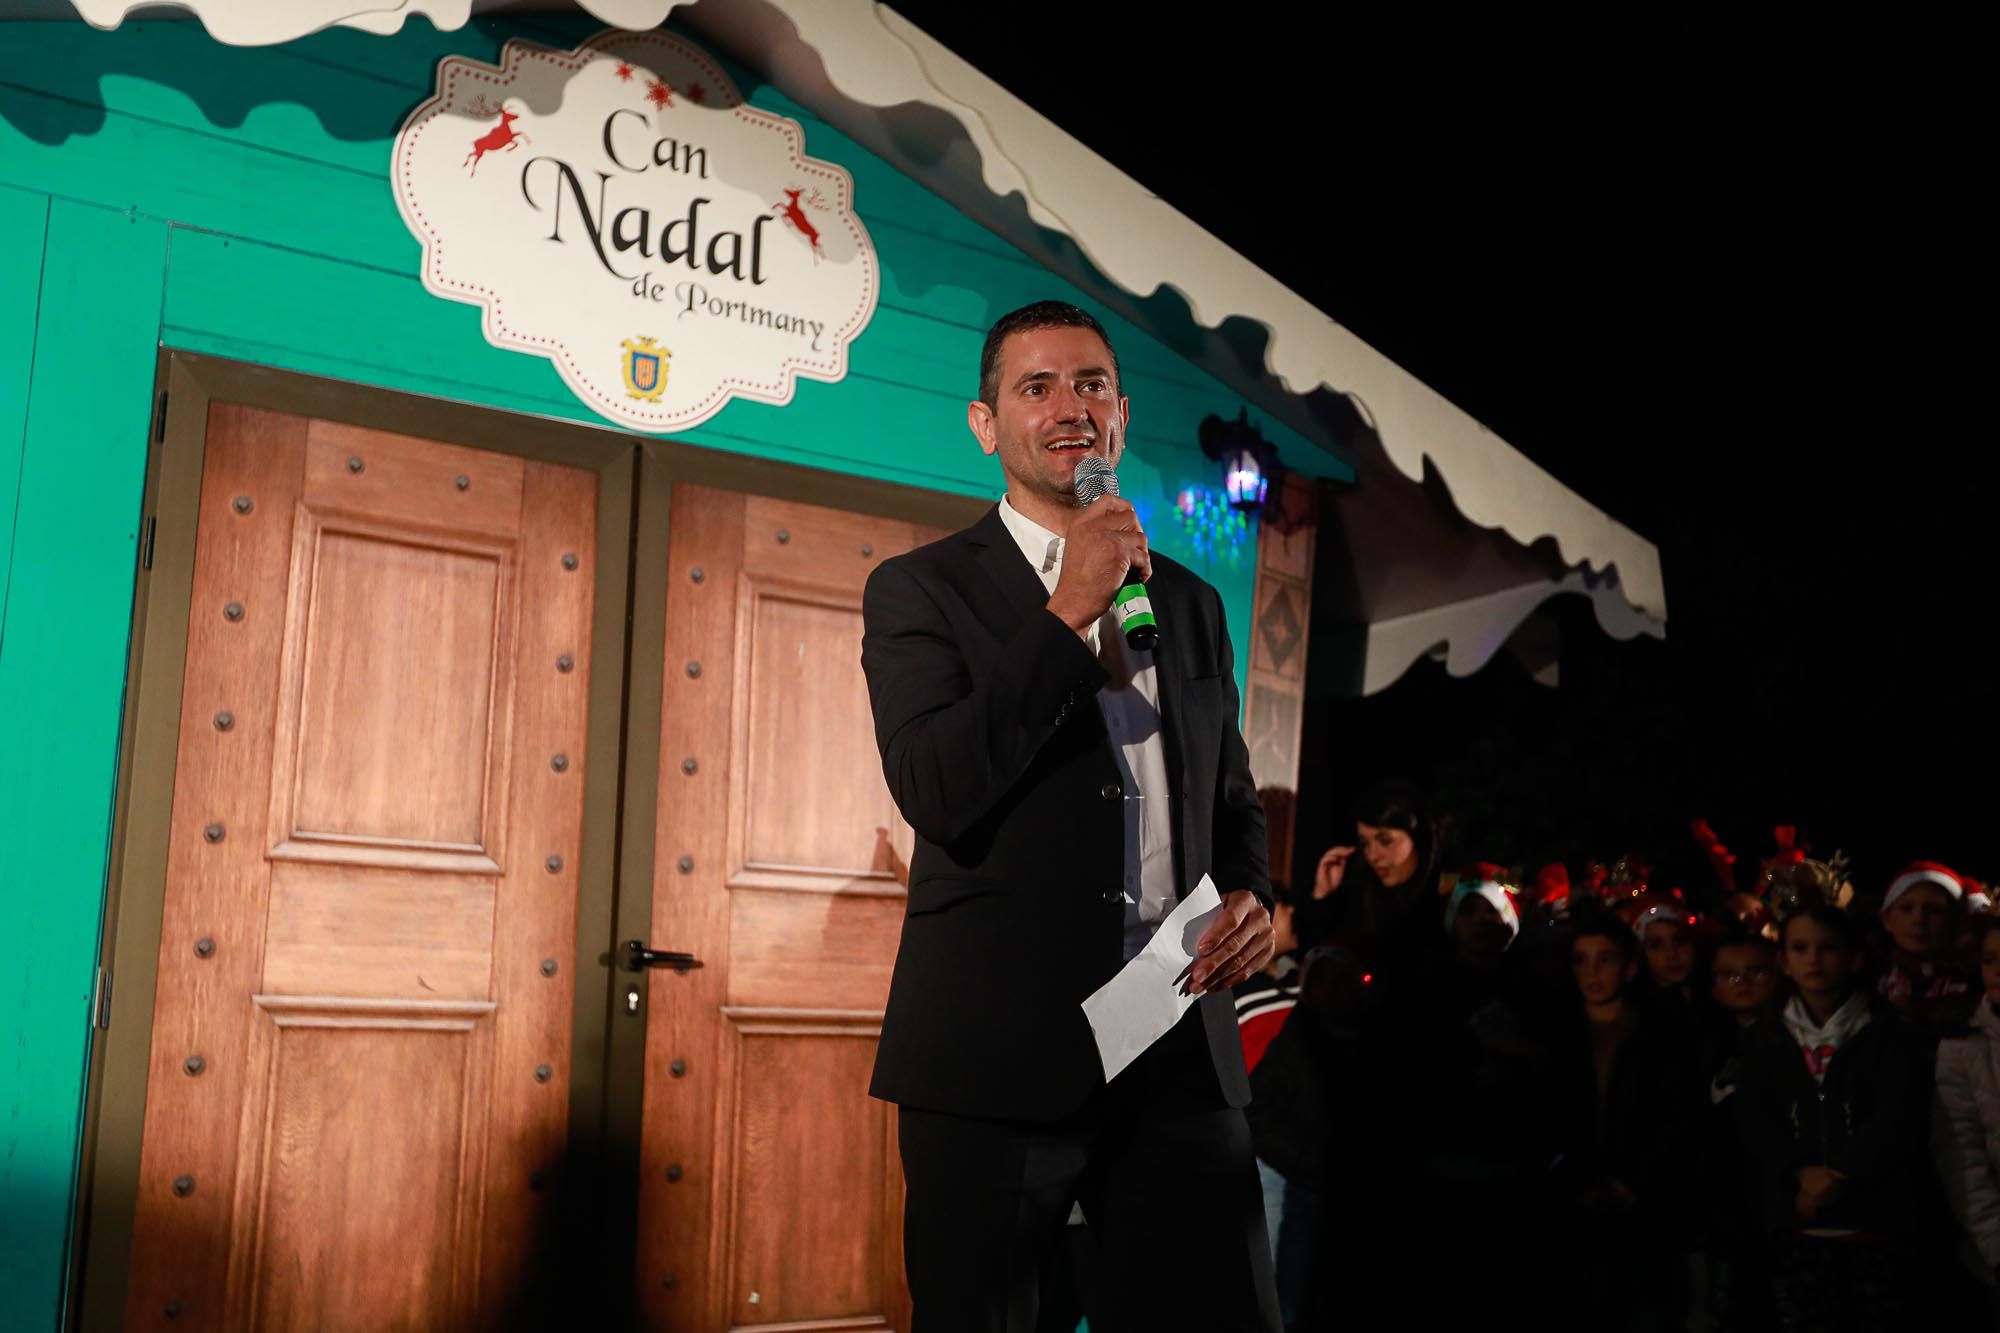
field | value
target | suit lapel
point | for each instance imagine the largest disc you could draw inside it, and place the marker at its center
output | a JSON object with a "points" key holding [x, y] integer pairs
{"points": [[1019, 591]]}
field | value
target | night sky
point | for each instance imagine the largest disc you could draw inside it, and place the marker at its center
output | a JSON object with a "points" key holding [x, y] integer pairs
{"points": [[1728, 271]]}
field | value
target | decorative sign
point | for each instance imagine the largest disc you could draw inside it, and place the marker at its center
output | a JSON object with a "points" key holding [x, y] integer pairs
{"points": [[619, 210]]}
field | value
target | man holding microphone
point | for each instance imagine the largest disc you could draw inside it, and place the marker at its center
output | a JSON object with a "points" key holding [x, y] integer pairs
{"points": [[1067, 790]]}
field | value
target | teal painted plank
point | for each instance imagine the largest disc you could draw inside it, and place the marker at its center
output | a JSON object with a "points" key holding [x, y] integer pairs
{"points": [[23, 226], [204, 180], [62, 672]]}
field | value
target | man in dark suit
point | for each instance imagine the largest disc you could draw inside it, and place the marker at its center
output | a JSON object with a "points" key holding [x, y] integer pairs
{"points": [[1066, 791]]}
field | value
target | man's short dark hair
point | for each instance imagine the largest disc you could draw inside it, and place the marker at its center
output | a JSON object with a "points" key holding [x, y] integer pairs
{"points": [[1040, 315]]}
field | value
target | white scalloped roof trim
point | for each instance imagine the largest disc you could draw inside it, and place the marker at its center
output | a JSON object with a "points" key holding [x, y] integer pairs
{"points": [[876, 57], [1141, 243], [267, 22]]}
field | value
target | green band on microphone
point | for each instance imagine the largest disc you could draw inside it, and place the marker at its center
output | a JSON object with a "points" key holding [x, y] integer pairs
{"points": [[1128, 592], [1138, 618]]}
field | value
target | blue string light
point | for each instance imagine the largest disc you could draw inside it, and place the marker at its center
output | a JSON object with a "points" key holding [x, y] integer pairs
{"points": [[1213, 529]]}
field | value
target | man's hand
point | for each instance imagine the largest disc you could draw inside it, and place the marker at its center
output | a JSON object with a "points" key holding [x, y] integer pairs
{"points": [[1233, 948], [1104, 542]]}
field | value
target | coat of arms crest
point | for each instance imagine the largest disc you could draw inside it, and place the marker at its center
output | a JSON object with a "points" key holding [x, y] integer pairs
{"points": [[645, 369]]}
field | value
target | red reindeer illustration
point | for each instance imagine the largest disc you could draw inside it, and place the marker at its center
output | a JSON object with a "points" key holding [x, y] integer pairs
{"points": [[794, 213], [500, 136]]}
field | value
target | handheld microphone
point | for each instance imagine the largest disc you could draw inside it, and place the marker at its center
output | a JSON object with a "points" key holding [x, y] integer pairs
{"points": [[1094, 481]]}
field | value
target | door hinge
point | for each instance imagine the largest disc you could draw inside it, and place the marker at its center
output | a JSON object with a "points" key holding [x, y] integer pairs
{"points": [[160, 418], [146, 542], [100, 1005]]}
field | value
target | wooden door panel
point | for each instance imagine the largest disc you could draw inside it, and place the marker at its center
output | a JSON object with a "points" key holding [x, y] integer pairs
{"points": [[379, 935], [772, 1194], [405, 485], [359, 1081], [370, 770], [363, 1155], [804, 709], [801, 951], [812, 1175]]}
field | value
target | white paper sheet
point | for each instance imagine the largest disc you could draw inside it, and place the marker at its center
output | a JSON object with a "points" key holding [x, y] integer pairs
{"points": [[1148, 996]]}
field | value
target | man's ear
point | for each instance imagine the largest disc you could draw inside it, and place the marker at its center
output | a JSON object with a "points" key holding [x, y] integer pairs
{"points": [[1122, 421], [979, 417]]}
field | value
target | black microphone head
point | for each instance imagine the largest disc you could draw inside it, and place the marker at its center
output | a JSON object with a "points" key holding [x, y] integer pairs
{"points": [[1094, 480]]}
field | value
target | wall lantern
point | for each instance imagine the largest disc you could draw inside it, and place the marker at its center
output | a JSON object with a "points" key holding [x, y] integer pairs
{"points": [[1250, 467]]}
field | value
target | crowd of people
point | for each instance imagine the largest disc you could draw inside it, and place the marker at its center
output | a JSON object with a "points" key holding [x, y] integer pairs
{"points": [[1594, 1101]]}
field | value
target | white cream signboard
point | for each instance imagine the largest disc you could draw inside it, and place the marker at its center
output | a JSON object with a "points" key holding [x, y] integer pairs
{"points": [[619, 210]]}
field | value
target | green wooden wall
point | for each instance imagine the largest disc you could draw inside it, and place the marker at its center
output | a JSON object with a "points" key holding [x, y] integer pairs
{"points": [[159, 188]]}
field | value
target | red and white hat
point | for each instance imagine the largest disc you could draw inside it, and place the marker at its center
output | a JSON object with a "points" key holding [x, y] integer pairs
{"points": [[1662, 907], [1478, 884], [1925, 872]]}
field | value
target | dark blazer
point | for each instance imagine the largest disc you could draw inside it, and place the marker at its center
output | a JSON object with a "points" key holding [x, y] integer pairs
{"points": [[996, 752]]}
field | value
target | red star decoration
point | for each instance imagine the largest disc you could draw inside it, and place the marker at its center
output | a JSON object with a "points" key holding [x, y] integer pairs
{"points": [[624, 72], [658, 93], [697, 93]]}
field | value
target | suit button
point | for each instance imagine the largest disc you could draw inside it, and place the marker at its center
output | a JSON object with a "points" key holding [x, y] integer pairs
{"points": [[1110, 791], [1112, 896]]}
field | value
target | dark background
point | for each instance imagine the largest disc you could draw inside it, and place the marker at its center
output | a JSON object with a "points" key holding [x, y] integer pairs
{"points": [[1725, 270]]}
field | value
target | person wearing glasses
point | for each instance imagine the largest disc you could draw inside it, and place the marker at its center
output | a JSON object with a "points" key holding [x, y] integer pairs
{"points": [[1743, 979]]}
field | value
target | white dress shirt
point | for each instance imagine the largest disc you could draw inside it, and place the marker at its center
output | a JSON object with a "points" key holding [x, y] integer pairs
{"points": [[1130, 702]]}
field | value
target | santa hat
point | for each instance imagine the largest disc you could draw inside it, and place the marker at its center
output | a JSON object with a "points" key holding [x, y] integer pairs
{"points": [[1925, 872], [1658, 908], [1478, 884], [1552, 885]]}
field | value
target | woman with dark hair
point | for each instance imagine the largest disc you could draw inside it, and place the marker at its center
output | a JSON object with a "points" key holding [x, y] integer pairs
{"points": [[1384, 912]]}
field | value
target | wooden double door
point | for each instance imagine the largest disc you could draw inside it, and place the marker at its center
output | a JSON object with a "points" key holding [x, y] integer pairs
{"points": [[454, 728]]}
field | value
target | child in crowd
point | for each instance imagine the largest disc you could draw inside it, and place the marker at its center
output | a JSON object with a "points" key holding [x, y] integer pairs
{"points": [[1967, 1128], [1832, 1107], [1455, 1100], [1665, 928], [1481, 918], [1625, 1168], [1264, 1001], [1743, 979], [1922, 912], [1298, 1117]]}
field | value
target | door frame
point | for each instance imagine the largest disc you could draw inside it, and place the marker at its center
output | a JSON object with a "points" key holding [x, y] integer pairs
{"points": [[122, 1028]]}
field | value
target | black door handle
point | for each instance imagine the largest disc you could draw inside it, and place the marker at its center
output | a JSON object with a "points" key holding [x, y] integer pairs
{"points": [[638, 958]]}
